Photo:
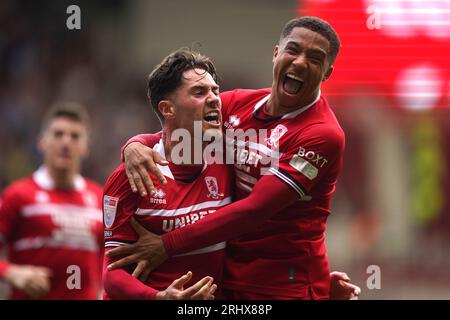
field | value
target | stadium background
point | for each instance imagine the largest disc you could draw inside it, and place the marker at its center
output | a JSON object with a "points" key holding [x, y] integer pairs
{"points": [[390, 91]]}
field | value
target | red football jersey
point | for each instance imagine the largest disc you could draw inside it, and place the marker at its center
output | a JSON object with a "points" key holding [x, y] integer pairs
{"points": [[173, 206], [285, 256], [57, 229]]}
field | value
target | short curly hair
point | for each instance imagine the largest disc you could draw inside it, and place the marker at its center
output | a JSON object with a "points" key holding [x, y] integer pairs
{"points": [[166, 77], [317, 25]]}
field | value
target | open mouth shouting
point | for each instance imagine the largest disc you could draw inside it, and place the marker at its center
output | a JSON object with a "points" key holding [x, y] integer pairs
{"points": [[213, 118], [292, 84]]}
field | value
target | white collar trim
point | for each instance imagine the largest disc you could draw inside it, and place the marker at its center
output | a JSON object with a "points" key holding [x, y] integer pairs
{"points": [[165, 170], [44, 180]]}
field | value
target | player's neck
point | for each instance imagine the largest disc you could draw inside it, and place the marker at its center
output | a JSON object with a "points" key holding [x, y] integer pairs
{"points": [[188, 152], [64, 179], [274, 108]]}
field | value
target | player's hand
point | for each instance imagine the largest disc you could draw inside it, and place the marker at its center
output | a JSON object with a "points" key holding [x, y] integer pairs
{"points": [[148, 252], [202, 290], [32, 280], [139, 159], [341, 288]]}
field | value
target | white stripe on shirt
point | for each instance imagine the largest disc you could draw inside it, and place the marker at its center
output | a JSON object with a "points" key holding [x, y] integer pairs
{"points": [[38, 209], [114, 244], [86, 243], [243, 186], [212, 248], [288, 181], [181, 211], [246, 177]]}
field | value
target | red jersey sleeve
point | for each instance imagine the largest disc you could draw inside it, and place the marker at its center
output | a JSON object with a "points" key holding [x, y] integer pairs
{"points": [[226, 98], [10, 204], [315, 154], [233, 220], [120, 285], [119, 205]]}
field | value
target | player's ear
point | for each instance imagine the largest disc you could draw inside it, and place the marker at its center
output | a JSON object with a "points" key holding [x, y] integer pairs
{"points": [[40, 142], [275, 53], [328, 73], [85, 143], [167, 109]]}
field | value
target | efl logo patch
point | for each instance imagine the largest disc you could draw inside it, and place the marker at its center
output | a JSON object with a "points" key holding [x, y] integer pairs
{"points": [[304, 167], [109, 210]]}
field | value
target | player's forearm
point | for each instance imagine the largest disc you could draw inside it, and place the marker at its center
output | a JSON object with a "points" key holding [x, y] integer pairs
{"points": [[148, 139], [120, 285], [269, 197]]}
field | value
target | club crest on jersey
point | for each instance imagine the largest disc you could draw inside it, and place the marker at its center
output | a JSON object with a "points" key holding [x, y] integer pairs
{"points": [[158, 197], [276, 135], [213, 187], [109, 210]]}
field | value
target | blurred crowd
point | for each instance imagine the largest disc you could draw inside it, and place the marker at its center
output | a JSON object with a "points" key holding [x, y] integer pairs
{"points": [[42, 61]]}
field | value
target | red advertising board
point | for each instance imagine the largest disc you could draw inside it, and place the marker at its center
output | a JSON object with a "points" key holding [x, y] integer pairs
{"points": [[395, 48]]}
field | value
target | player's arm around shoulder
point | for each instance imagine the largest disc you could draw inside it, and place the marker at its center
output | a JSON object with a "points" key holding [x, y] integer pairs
{"points": [[140, 162]]}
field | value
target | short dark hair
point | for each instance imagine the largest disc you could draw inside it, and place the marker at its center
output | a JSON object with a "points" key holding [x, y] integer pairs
{"points": [[317, 25], [66, 109], [166, 77]]}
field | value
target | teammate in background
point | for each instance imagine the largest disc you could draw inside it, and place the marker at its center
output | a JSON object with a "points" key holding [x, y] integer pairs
{"points": [[278, 226], [182, 90], [51, 222]]}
